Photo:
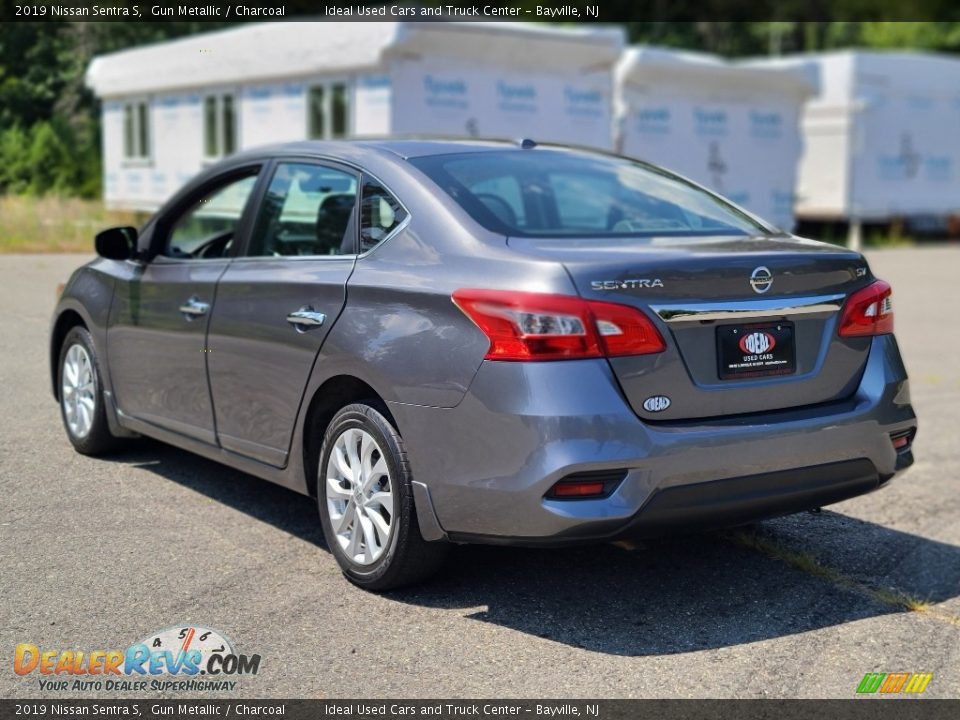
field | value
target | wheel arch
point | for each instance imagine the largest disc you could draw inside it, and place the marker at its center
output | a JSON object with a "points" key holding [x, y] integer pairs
{"points": [[335, 392], [65, 322]]}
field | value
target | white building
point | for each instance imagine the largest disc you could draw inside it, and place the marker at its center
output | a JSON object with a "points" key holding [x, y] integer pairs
{"points": [[171, 107], [733, 128], [882, 136]]}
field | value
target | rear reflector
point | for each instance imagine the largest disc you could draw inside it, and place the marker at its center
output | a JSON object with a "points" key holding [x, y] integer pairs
{"points": [[540, 326], [586, 485], [901, 440], [577, 489], [868, 312]]}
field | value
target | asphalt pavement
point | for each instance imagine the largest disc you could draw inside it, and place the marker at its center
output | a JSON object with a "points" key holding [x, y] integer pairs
{"points": [[95, 554]]}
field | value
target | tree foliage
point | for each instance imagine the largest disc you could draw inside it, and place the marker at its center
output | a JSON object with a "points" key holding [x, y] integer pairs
{"points": [[49, 120]]}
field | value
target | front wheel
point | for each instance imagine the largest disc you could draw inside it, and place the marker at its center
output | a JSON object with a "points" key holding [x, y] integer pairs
{"points": [[366, 503], [81, 395]]}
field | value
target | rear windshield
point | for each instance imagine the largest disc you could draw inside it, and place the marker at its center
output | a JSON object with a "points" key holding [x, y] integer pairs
{"points": [[555, 193]]}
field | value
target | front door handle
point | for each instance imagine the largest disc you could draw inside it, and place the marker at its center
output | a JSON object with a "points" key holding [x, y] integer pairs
{"points": [[306, 318], [194, 308]]}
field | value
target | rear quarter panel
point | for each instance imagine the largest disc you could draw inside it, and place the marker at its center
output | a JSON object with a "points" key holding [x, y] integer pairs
{"points": [[400, 331]]}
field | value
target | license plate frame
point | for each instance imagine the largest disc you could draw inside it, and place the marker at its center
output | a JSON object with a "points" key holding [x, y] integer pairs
{"points": [[756, 350]]}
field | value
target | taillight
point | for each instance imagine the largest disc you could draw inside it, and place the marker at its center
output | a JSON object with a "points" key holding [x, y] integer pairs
{"points": [[868, 312], [538, 326]]}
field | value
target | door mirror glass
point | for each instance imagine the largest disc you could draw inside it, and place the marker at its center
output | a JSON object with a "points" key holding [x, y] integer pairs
{"points": [[118, 243]]}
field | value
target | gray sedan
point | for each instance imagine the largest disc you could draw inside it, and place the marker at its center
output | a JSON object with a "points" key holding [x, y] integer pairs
{"points": [[448, 342]]}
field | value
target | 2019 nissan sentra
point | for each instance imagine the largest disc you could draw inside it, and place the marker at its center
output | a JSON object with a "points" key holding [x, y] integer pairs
{"points": [[485, 342]]}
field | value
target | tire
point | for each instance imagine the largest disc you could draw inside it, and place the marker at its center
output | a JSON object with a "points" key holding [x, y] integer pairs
{"points": [[379, 547], [80, 390]]}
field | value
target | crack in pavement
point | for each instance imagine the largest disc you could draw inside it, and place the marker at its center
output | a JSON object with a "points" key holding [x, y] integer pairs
{"points": [[808, 563]]}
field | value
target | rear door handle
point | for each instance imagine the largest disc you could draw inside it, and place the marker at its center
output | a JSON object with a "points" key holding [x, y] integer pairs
{"points": [[194, 308], [306, 318]]}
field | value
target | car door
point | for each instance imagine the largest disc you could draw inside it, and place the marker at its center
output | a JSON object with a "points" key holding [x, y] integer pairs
{"points": [[157, 337], [277, 302]]}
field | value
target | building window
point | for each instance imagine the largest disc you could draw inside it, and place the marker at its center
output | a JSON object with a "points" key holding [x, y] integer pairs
{"points": [[328, 108], [219, 126], [136, 131]]}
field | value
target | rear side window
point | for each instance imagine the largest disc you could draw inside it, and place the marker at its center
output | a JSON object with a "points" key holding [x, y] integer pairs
{"points": [[560, 193], [308, 210], [380, 214]]}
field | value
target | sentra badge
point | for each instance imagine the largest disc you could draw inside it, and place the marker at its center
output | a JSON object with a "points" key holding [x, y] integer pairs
{"points": [[632, 284]]}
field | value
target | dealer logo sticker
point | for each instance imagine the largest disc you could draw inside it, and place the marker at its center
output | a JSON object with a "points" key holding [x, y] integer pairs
{"points": [[757, 343], [656, 403]]}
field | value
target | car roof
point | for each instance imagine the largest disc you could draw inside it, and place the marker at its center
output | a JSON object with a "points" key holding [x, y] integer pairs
{"points": [[405, 149]]}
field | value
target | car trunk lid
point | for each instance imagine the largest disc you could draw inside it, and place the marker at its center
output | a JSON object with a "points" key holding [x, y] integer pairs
{"points": [[723, 304]]}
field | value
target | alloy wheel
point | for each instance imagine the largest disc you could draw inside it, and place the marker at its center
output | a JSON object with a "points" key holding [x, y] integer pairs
{"points": [[78, 390], [360, 497]]}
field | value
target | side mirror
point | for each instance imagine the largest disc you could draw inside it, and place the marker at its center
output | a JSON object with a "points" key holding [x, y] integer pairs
{"points": [[118, 243]]}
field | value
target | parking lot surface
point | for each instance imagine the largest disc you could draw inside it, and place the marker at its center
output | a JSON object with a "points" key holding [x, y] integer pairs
{"points": [[95, 554]]}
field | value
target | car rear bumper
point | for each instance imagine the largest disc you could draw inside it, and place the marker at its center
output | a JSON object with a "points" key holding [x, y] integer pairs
{"points": [[489, 462]]}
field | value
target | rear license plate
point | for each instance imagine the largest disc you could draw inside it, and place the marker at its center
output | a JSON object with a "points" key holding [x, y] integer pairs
{"points": [[756, 350]]}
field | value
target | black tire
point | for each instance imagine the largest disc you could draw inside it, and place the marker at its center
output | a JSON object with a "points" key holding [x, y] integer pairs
{"points": [[406, 557], [98, 440]]}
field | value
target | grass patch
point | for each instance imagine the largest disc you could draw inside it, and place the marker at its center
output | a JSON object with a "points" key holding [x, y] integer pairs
{"points": [[879, 241], [55, 224], [800, 560], [891, 236]]}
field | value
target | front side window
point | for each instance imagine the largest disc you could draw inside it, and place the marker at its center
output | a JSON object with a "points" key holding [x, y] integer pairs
{"points": [[308, 210], [380, 215], [328, 111], [559, 193], [207, 228], [219, 126], [136, 131]]}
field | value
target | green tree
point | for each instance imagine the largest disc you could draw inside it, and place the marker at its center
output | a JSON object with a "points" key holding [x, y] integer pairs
{"points": [[52, 169], [14, 160]]}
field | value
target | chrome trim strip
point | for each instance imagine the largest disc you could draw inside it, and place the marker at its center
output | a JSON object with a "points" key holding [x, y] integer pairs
{"points": [[738, 310]]}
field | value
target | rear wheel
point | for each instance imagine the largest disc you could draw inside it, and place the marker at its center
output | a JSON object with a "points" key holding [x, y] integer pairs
{"points": [[81, 395], [366, 503]]}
